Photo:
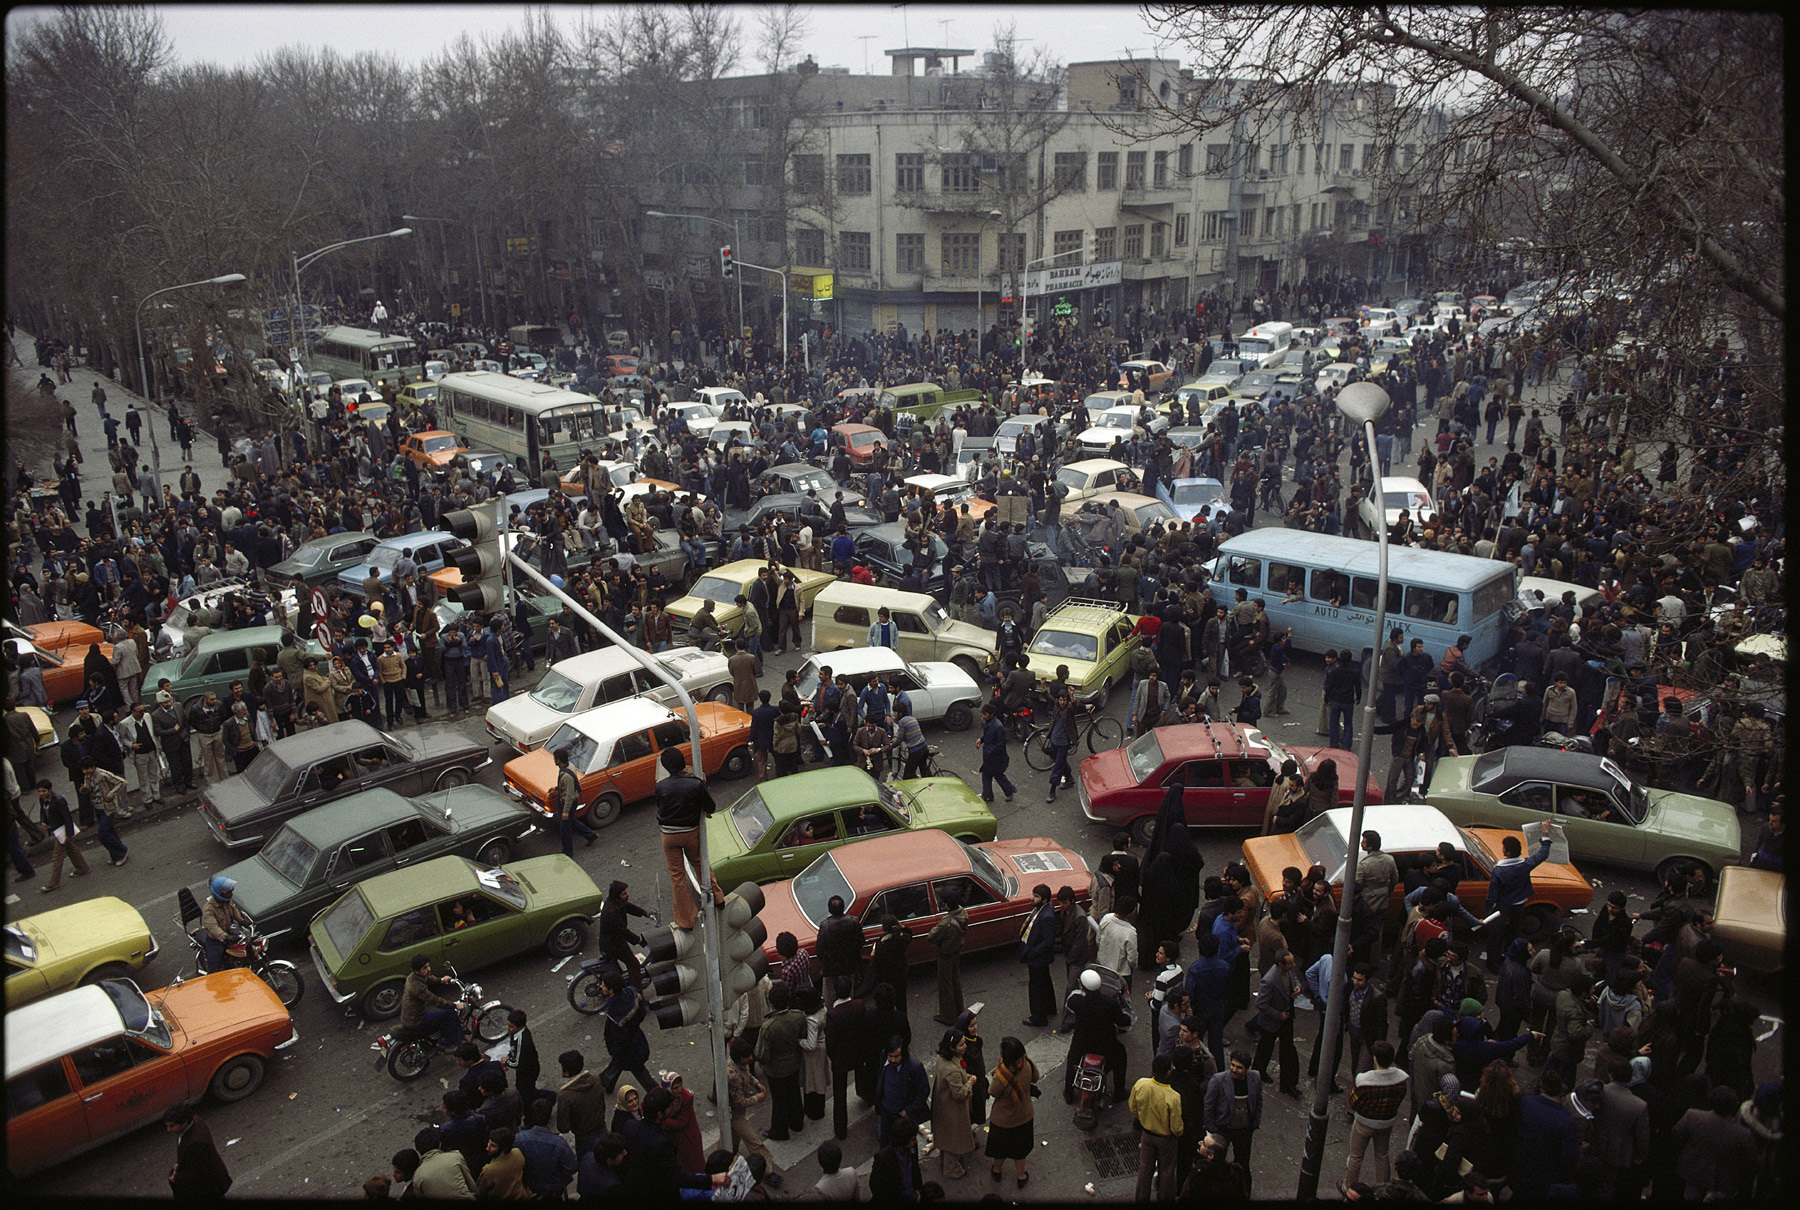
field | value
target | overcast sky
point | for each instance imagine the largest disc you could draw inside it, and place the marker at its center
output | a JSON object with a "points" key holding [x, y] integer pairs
{"points": [[850, 35]]}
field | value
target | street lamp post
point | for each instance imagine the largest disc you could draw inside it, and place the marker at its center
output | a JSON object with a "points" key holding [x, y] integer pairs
{"points": [[475, 236], [991, 216], [301, 262], [782, 274], [1363, 402], [737, 248], [143, 379]]}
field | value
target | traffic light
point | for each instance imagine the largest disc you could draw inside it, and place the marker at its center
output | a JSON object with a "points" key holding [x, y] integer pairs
{"points": [[675, 978], [741, 940], [1089, 247], [480, 563], [727, 268]]}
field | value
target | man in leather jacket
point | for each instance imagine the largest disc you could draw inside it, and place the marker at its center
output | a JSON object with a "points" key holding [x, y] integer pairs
{"points": [[682, 803]]}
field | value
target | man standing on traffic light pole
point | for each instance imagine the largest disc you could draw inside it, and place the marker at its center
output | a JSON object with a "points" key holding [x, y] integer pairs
{"points": [[682, 801]]}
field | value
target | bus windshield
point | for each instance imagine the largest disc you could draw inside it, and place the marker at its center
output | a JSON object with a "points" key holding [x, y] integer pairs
{"points": [[1254, 346]]}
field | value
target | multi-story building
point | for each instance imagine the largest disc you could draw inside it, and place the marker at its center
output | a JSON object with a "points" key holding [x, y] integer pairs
{"points": [[956, 199]]}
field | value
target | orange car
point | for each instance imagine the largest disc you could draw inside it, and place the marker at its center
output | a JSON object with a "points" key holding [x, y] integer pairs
{"points": [[56, 636], [859, 440], [96, 1063], [1410, 833], [432, 448], [614, 750], [64, 680]]}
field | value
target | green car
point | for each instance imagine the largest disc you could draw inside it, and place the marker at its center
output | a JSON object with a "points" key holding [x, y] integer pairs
{"points": [[1606, 816], [776, 830], [317, 856], [454, 911], [1094, 639], [319, 560], [222, 657]]}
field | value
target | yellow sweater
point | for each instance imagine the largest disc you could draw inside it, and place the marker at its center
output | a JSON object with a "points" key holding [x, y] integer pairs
{"points": [[1156, 1106]]}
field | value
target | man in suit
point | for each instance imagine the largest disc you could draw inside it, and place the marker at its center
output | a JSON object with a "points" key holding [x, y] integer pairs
{"points": [[1037, 951], [1621, 1134], [199, 1171]]}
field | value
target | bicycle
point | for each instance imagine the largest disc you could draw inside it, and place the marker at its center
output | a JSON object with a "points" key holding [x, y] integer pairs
{"points": [[897, 757], [1099, 732]]}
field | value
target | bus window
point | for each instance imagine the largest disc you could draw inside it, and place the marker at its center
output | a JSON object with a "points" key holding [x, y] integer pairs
{"points": [[1287, 578], [1246, 572], [1431, 605], [1328, 585], [515, 419], [1362, 594], [1492, 596]]}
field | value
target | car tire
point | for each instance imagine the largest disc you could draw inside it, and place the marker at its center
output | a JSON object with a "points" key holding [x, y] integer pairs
{"points": [[382, 1002], [450, 779], [1143, 828], [738, 763], [236, 1079], [722, 695], [959, 717], [604, 811], [107, 970], [495, 852], [568, 937], [968, 665]]}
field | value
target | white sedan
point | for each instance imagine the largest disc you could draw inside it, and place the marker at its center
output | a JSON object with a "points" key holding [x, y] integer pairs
{"points": [[937, 690], [595, 678]]}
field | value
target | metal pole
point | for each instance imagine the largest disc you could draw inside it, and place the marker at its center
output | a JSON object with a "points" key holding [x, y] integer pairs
{"points": [[737, 247], [715, 991], [1318, 1120]]}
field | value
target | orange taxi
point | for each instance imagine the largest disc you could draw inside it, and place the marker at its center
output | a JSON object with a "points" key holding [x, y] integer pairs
{"points": [[56, 636], [615, 751], [64, 679], [432, 448], [96, 1063]]}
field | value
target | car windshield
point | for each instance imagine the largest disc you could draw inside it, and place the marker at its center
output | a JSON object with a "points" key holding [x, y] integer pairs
{"points": [[290, 855], [267, 774], [895, 802], [138, 1014], [19, 950], [1197, 493], [716, 588], [750, 816], [1144, 755], [500, 883], [384, 556], [1113, 420], [934, 616], [347, 922], [1323, 845], [309, 555], [1149, 514], [808, 481], [1629, 790], [815, 886], [581, 746], [1411, 500], [1066, 645], [988, 870], [864, 440], [189, 662], [557, 692], [1071, 477], [447, 442]]}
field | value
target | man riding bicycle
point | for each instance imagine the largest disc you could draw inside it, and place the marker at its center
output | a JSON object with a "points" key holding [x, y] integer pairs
{"points": [[421, 1008]]}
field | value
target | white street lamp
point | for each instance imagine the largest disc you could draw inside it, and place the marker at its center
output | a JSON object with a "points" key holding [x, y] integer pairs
{"points": [[301, 262], [737, 251], [227, 279]]}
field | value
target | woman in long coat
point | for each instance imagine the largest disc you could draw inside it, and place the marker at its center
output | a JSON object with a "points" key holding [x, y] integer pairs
{"points": [[951, 1088], [1171, 879]]}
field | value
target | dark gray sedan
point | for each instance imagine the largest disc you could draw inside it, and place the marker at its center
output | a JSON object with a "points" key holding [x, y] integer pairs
{"points": [[325, 764], [319, 561], [315, 857]]}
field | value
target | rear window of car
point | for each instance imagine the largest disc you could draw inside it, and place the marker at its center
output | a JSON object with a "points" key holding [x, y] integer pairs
{"points": [[290, 855], [752, 818], [347, 922]]}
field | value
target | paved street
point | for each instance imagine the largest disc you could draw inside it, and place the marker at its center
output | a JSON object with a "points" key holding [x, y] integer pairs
{"points": [[325, 1119]]}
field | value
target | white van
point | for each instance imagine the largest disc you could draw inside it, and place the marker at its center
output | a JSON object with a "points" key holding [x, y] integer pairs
{"points": [[1325, 588], [1264, 346], [843, 613]]}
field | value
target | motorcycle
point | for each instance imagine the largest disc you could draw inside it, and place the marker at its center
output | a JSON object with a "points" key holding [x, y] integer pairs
{"points": [[246, 948], [408, 1051], [1567, 743], [1089, 1095], [1492, 725]]}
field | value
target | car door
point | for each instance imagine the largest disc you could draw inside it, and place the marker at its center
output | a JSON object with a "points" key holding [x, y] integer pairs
{"points": [[387, 766], [805, 839], [1206, 798], [630, 768], [1527, 803], [614, 689], [910, 904], [223, 668], [1248, 783], [495, 930], [1597, 827], [913, 638], [124, 1082], [357, 858], [44, 1116], [414, 931]]}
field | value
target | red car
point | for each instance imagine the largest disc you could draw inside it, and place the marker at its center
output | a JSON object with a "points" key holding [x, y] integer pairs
{"points": [[860, 441], [906, 874], [1227, 769], [618, 365]]}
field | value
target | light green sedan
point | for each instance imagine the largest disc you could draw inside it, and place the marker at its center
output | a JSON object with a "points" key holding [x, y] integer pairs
{"points": [[777, 829], [1605, 815]]}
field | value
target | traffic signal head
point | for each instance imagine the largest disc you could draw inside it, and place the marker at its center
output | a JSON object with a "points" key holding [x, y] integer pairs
{"points": [[727, 267], [675, 979], [480, 563]]}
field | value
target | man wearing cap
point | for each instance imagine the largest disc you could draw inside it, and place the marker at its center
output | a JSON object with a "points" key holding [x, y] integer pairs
{"points": [[171, 735]]}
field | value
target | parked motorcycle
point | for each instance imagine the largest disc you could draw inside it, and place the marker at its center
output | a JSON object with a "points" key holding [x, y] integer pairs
{"points": [[408, 1051], [247, 948], [1090, 1071]]}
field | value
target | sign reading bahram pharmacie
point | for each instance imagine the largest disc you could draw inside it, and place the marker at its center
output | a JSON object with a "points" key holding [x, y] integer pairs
{"points": [[1063, 277]]}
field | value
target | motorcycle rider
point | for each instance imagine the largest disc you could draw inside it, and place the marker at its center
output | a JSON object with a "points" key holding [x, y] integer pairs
{"points": [[1098, 1018], [421, 1008], [220, 919]]}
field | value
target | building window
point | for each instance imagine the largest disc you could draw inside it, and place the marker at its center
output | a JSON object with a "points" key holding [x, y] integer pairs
{"points": [[1071, 171], [1011, 250], [1134, 241], [909, 173], [1247, 224], [1368, 160], [1159, 233], [1346, 154], [1134, 170], [1271, 221], [809, 246], [1294, 218], [959, 173], [853, 251], [753, 169], [1218, 157], [1107, 170], [1278, 159], [962, 253], [853, 174], [809, 174], [1299, 157], [1066, 245], [1252, 157], [1406, 157], [1184, 160], [1181, 230], [909, 252], [1212, 223], [1160, 170], [1106, 243]]}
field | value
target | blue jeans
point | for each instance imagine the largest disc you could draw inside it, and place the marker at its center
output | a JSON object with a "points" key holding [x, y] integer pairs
{"points": [[1059, 766], [753, 644], [695, 551], [988, 780], [570, 827], [1340, 712], [109, 835], [447, 1024]]}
